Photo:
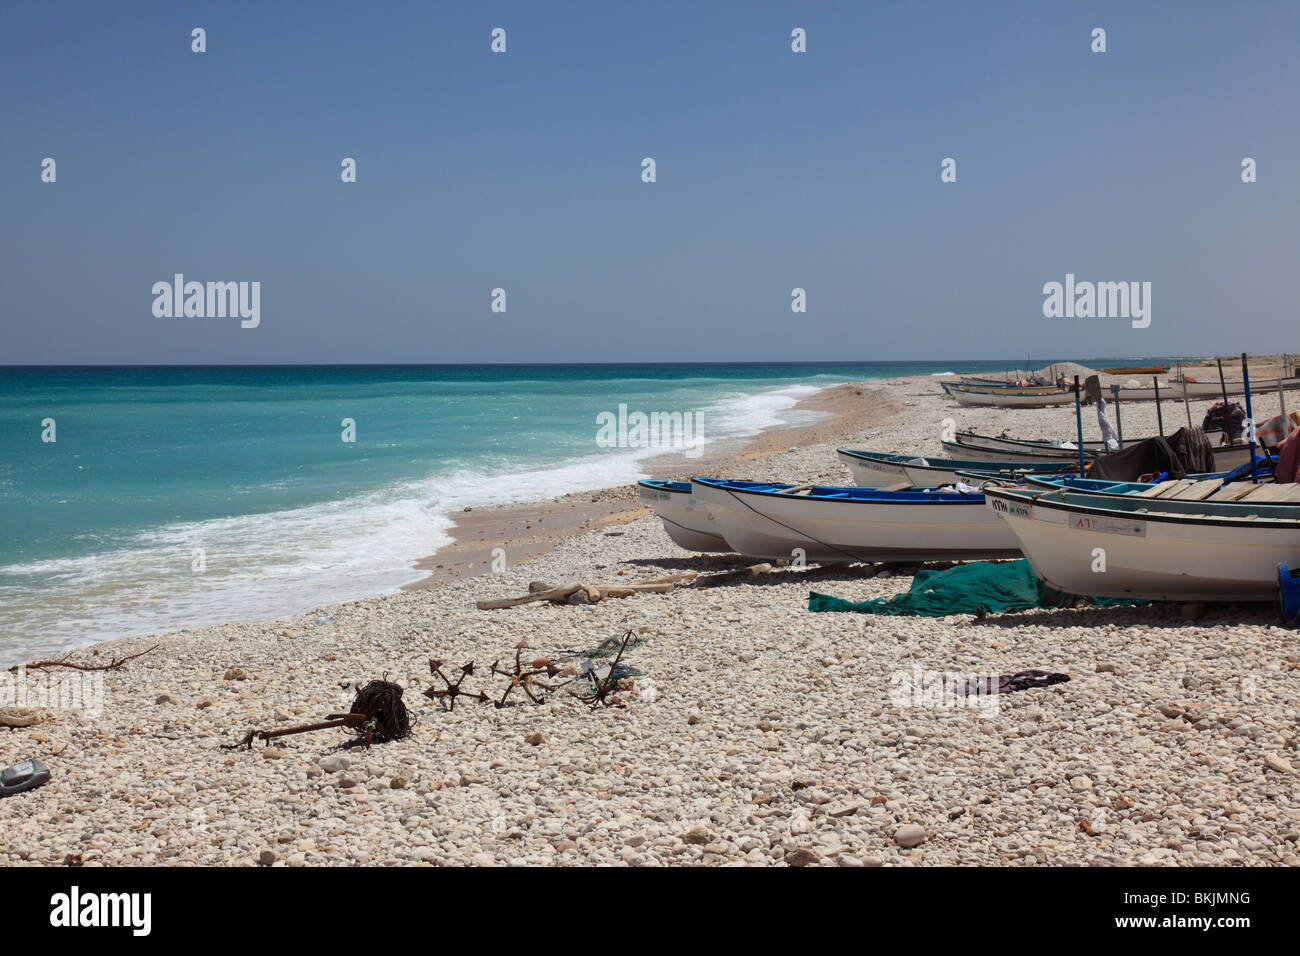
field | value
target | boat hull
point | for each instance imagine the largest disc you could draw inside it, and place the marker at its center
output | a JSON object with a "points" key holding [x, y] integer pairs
{"points": [[1152, 556], [1046, 454], [674, 504], [1226, 457], [775, 526], [880, 472], [1009, 399]]}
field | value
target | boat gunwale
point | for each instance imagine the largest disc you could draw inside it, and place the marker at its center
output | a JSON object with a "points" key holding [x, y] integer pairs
{"points": [[1035, 499], [663, 484], [921, 497], [943, 464]]}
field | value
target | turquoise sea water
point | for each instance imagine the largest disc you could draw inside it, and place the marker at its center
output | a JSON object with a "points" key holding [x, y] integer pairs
{"points": [[151, 468]]}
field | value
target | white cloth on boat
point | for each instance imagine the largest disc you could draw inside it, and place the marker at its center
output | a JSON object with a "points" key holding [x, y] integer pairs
{"points": [[1107, 429], [959, 488]]}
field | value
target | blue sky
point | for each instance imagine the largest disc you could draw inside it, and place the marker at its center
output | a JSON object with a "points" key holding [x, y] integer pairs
{"points": [[523, 171]]}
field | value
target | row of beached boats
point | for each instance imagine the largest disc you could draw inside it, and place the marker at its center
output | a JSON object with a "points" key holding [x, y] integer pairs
{"points": [[1017, 395], [1217, 537]]}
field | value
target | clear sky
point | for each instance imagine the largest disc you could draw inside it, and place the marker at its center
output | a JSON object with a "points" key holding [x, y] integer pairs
{"points": [[522, 170]]}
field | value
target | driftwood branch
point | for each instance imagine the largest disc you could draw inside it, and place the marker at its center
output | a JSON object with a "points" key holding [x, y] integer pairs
{"points": [[578, 593], [64, 662]]}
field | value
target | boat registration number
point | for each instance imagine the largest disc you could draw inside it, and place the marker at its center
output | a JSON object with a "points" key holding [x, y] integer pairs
{"points": [[1010, 508], [1109, 525]]}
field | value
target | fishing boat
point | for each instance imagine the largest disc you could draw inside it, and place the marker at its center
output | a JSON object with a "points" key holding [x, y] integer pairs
{"points": [[1137, 370], [1160, 550], [1173, 390], [997, 388], [1027, 453], [1016, 397], [1020, 444], [827, 524], [875, 469], [673, 503], [1002, 450]]}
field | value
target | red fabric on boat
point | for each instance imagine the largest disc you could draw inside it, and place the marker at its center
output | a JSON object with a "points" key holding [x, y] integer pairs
{"points": [[1288, 462]]}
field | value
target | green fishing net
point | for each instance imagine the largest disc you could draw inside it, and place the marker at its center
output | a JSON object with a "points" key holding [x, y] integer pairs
{"points": [[973, 588]]}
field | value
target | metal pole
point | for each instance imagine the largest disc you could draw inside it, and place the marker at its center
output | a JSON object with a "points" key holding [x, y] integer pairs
{"points": [[1078, 421], [1250, 418], [1223, 385], [1160, 419], [1281, 403], [1187, 407], [1119, 423]]}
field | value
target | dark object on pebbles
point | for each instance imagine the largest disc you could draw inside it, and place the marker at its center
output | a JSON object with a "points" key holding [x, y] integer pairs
{"points": [[601, 695], [378, 715], [27, 775], [383, 715], [449, 693], [1010, 683]]}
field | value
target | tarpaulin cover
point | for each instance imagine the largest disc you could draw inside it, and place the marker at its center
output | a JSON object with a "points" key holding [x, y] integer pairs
{"points": [[994, 586], [1141, 458]]}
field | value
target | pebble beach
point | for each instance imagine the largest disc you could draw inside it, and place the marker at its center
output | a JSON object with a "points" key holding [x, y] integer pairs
{"points": [[755, 733]]}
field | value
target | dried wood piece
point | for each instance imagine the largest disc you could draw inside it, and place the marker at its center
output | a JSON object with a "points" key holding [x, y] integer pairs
{"points": [[63, 661], [554, 594], [709, 580]]}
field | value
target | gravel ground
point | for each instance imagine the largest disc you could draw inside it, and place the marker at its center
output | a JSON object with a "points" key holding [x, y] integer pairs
{"points": [[758, 734]]}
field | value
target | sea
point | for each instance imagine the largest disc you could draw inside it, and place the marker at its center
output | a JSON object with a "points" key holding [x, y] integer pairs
{"points": [[136, 500]]}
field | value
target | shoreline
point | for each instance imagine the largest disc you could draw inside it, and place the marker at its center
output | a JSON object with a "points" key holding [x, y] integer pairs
{"points": [[515, 533]]}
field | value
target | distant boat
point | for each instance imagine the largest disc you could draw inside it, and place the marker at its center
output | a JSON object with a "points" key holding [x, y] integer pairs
{"points": [[673, 503], [1174, 390], [874, 469], [1158, 550], [1137, 370], [997, 388], [852, 524], [1031, 396], [1039, 396]]}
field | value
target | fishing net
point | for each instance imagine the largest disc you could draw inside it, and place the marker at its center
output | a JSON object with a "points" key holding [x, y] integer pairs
{"points": [[381, 703], [606, 648], [978, 587]]}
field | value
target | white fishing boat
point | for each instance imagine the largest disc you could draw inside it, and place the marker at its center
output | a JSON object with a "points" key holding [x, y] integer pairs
{"points": [[1003, 450], [995, 388], [827, 524], [1011, 397], [1199, 390], [1022, 444], [874, 469], [1028, 453], [1159, 550], [673, 503]]}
